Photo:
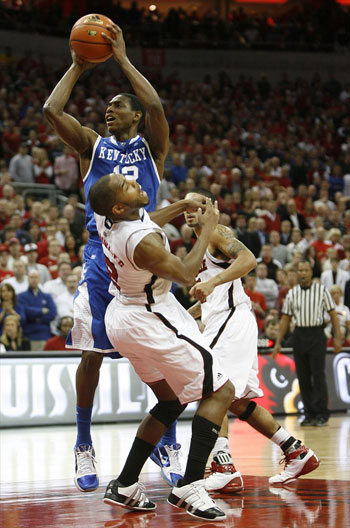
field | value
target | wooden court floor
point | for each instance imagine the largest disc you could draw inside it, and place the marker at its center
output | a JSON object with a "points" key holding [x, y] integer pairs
{"points": [[37, 488]]}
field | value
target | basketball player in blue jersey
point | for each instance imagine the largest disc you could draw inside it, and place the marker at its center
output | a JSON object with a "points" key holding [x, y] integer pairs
{"points": [[140, 159]]}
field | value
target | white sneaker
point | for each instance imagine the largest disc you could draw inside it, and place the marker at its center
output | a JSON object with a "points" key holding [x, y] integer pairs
{"points": [[167, 457], [297, 463], [129, 497], [224, 478], [85, 478], [196, 501]]}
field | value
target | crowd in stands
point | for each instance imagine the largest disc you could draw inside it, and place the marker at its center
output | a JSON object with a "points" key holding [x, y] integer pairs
{"points": [[310, 24], [276, 156]]}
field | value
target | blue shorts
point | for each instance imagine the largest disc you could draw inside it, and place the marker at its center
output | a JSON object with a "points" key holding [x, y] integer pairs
{"points": [[90, 304]]}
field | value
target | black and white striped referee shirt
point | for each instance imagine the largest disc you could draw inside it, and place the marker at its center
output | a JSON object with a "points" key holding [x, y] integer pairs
{"points": [[308, 305]]}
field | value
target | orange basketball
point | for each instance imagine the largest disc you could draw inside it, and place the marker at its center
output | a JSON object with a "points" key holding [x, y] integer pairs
{"points": [[86, 38]]}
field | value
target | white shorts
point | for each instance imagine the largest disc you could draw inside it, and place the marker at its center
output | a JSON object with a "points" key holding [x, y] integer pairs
{"points": [[233, 341], [163, 342]]}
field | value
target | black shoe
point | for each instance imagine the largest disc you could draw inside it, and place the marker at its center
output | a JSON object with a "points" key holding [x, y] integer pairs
{"points": [[321, 421], [306, 421]]}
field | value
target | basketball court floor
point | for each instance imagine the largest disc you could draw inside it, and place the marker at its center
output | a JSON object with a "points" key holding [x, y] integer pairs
{"points": [[37, 488]]}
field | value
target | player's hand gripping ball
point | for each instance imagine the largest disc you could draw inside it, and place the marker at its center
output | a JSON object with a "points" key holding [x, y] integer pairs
{"points": [[86, 38]]}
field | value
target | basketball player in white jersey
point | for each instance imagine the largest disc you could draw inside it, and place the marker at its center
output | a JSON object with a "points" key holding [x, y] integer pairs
{"points": [[231, 332], [161, 340]]}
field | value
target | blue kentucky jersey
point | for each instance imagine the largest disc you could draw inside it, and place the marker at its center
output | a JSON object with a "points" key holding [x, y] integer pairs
{"points": [[132, 158]]}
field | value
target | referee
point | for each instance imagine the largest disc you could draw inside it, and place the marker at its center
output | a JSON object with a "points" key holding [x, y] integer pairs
{"points": [[307, 302]]}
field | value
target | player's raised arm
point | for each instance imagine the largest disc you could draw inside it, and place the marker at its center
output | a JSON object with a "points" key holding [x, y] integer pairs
{"points": [[224, 241], [157, 130], [67, 127], [150, 254]]}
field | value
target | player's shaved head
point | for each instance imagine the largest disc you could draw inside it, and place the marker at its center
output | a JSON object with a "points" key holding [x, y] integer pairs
{"points": [[104, 193]]}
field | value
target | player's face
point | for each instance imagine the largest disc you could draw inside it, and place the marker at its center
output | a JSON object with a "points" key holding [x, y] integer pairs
{"points": [[119, 116], [131, 194], [191, 216]]}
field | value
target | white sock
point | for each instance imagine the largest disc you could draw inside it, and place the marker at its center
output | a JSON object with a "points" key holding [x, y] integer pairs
{"points": [[280, 437], [221, 444]]}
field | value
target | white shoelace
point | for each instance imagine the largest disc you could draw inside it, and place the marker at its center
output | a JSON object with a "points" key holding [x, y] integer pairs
{"points": [[85, 462], [174, 458], [198, 498], [139, 497]]}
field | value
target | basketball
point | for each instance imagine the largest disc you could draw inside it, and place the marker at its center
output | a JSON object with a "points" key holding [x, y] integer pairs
{"points": [[86, 38]]}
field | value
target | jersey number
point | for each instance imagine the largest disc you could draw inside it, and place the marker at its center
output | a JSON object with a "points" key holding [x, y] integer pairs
{"points": [[112, 272], [131, 172]]}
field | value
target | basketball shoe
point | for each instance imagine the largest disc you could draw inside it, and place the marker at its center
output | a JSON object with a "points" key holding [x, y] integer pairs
{"points": [[85, 478], [296, 463], [167, 458], [196, 501], [223, 477], [130, 497]]}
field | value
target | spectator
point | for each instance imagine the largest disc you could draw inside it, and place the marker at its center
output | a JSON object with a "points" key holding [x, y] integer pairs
{"points": [[66, 172], [286, 231], [258, 299], [310, 256], [22, 235], [43, 170], [62, 231], [31, 253], [15, 250], [21, 166], [19, 281], [272, 264], [57, 286], [292, 280], [5, 272], [186, 239], [11, 337], [296, 219], [178, 169], [279, 252], [75, 219], [335, 275], [271, 330], [64, 301], [71, 247], [51, 261], [271, 217], [297, 243], [267, 287], [320, 244], [250, 237], [342, 312], [9, 305], [58, 342], [40, 310], [164, 189]]}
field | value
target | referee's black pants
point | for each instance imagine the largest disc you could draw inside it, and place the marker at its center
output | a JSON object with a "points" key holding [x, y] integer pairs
{"points": [[309, 347]]}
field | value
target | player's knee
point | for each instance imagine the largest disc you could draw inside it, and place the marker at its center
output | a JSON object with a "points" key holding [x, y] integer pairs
{"points": [[167, 412], [245, 414], [91, 361], [226, 393]]}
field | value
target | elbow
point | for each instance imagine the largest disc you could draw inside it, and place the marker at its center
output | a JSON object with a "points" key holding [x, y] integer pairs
{"points": [[48, 110], [186, 279], [251, 262]]}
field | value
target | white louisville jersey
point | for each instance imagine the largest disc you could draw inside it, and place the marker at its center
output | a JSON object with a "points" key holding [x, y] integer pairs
{"points": [[129, 283], [225, 296]]}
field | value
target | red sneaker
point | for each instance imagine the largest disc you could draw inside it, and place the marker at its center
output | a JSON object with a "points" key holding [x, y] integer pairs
{"points": [[297, 463], [223, 477]]}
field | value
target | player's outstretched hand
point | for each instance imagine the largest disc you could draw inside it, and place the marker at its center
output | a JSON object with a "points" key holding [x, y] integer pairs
{"points": [[84, 65], [209, 219], [117, 42], [195, 204]]}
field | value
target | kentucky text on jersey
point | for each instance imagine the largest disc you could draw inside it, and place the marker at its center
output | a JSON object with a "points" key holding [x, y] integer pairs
{"points": [[132, 158], [127, 159]]}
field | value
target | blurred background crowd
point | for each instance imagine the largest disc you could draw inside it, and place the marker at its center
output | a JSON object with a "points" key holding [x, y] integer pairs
{"points": [[275, 154], [316, 25]]}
